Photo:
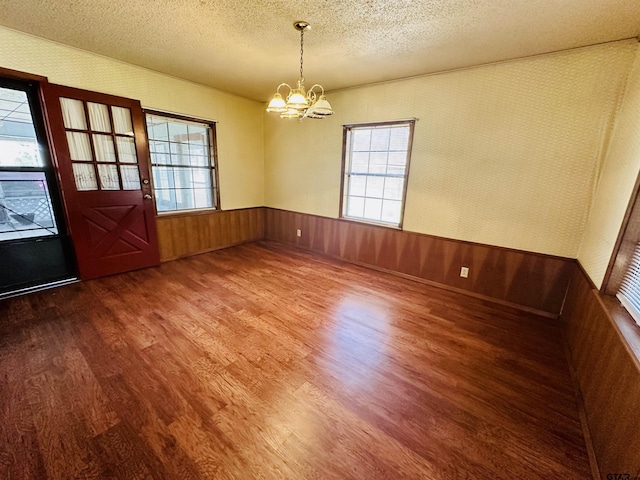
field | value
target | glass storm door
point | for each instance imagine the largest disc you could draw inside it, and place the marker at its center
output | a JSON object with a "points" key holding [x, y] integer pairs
{"points": [[102, 158], [34, 245]]}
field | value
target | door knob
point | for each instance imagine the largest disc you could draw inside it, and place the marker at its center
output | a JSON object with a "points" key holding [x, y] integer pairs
{"points": [[145, 181], [147, 196]]}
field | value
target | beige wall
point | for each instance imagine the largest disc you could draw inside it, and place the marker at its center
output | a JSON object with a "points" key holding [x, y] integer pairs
{"points": [[239, 127], [505, 154], [616, 183]]}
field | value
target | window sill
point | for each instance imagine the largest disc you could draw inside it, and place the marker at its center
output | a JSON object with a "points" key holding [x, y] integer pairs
{"points": [[371, 223], [626, 325], [188, 213]]}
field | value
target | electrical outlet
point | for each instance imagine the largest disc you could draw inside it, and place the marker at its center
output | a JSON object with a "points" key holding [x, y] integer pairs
{"points": [[298, 232], [464, 272]]}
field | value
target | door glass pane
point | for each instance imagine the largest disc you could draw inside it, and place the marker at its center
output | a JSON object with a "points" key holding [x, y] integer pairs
{"points": [[126, 150], [104, 148], [73, 114], [130, 177], [99, 117], [108, 177], [79, 146], [18, 143], [85, 176], [25, 206], [122, 120]]}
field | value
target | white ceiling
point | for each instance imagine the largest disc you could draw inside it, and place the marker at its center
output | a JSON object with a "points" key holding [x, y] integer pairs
{"points": [[249, 47]]}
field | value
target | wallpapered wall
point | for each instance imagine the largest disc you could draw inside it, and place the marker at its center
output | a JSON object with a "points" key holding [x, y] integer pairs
{"points": [[240, 124], [506, 154], [616, 183]]}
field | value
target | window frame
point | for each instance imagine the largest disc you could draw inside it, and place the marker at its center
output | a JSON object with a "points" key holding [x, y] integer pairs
{"points": [[621, 312], [626, 242], [344, 184], [213, 160], [629, 291]]}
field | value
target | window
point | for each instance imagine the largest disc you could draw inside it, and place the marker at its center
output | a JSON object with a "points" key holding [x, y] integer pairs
{"points": [[375, 170], [629, 293], [26, 210], [101, 145], [182, 162], [622, 277]]}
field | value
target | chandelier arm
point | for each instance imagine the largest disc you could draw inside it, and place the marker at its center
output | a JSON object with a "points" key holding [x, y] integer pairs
{"points": [[312, 95], [319, 86], [284, 85]]}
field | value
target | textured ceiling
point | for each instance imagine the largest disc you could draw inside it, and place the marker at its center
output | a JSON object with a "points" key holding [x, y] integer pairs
{"points": [[249, 47]]}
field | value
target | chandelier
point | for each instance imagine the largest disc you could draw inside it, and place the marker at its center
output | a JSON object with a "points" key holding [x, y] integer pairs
{"points": [[301, 103]]}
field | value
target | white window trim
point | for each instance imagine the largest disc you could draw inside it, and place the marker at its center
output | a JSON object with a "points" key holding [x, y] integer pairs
{"points": [[345, 174], [213, 161], [629, 293]]}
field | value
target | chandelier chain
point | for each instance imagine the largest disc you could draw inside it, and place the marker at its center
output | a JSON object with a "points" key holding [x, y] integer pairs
{"points": [[301, 52]]}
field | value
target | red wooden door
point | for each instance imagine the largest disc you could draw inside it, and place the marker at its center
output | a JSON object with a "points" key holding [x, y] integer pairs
{"points": [[101, 153]]}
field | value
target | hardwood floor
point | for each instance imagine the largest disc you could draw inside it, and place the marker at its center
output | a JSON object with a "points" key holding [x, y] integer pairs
{"points": [[266, 362]]}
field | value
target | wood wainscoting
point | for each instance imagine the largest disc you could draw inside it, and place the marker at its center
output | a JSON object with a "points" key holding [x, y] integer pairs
{"points": [[529, 281], [185, 234], [605, 344]]}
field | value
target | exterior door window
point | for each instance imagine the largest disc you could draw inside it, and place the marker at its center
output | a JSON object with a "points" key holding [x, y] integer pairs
{"points": [[101, 145], [35, 248], [26, 210]]}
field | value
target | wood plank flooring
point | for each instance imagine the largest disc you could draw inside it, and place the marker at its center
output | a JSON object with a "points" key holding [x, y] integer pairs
{"points": [[266, 362]]}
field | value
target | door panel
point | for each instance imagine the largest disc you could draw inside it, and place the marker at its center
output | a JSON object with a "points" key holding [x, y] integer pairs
{"points": [[102, 157]]}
